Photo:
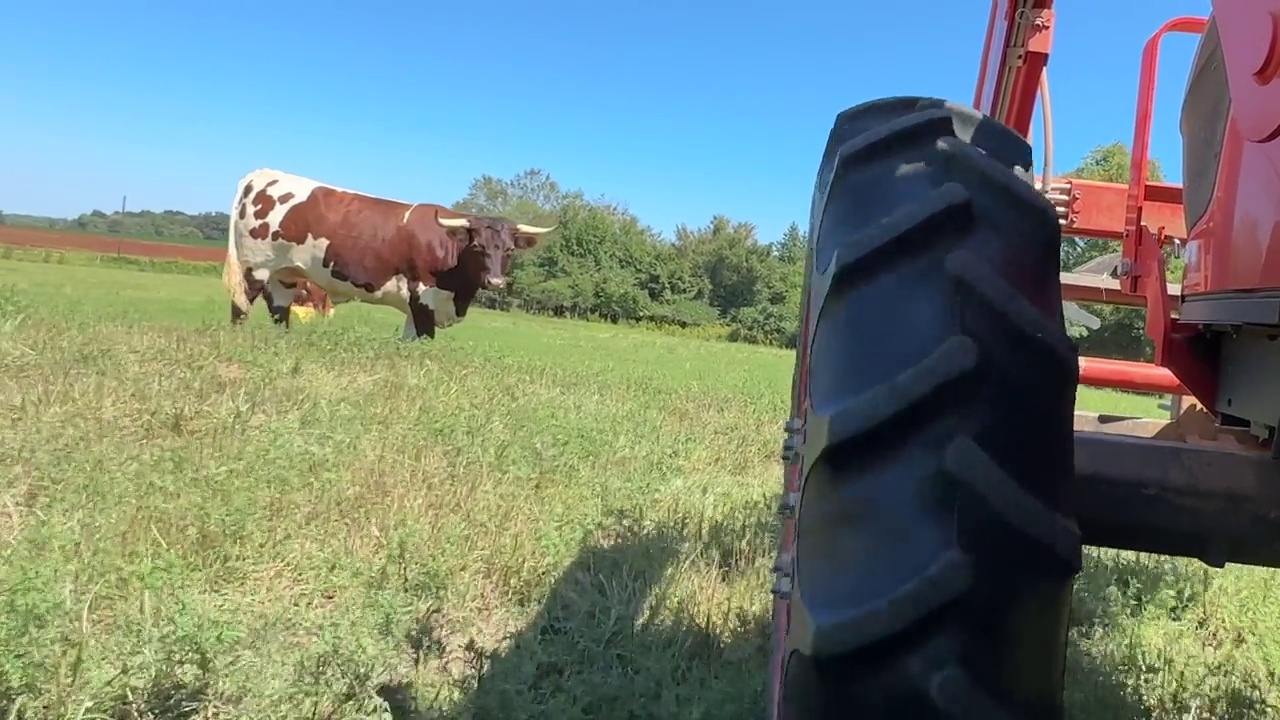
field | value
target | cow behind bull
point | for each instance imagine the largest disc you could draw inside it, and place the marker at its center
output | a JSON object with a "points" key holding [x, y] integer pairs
{"points": [[309, 295], [425, 260]]}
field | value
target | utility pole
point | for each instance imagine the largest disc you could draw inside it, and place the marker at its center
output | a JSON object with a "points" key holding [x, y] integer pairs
{"points": [[124, 201]]}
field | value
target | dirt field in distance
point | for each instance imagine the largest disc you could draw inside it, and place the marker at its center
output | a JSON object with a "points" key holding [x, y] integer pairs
{"points": [[55, 240]]}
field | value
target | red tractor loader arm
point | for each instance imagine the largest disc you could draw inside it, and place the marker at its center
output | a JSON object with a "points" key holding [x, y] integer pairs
{"points": [[938, 483]]}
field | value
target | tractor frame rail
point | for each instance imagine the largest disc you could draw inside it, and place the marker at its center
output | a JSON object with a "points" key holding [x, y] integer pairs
{"points": [[1145, 217], [1185, 487]]}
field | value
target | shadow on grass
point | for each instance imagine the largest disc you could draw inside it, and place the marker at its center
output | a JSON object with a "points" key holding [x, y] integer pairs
{"points": [[1104, 591], [1120, 598], [610, 643]]}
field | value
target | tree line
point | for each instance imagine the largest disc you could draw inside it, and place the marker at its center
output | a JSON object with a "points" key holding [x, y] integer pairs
{"points": [[164, 225], [718, 280]]}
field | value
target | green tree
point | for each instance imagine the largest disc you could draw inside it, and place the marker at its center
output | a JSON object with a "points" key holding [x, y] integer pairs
{"points": [[531, 197], [791, 248]]}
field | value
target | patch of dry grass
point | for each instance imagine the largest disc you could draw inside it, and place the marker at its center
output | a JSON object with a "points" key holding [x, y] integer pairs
{"points": [[525, 519]]}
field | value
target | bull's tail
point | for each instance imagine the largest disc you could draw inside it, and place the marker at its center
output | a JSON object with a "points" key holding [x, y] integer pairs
{"points": [[232, 274]]}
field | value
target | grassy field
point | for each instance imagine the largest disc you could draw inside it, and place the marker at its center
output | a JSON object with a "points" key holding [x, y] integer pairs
{"points": [[527, 518], [103, 260]]}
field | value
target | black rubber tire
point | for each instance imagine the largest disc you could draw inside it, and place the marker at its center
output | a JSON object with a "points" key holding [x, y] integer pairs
{"points": [[935, 549]]}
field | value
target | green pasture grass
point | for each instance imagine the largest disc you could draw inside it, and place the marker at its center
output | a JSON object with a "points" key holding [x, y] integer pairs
{"points": [[528, 518]]}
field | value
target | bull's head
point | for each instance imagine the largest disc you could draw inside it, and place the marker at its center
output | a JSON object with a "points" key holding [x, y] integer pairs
{"points": [[490, 242]]}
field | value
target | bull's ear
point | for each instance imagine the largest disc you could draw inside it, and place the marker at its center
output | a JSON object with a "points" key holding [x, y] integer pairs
{"points": [[524, 242]]}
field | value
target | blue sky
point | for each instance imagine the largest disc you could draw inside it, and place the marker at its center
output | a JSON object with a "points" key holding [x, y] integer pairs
{"points": [[679, 109]]}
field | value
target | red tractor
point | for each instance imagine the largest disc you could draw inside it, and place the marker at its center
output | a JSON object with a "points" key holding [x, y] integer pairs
{"points": [[939, 485]]}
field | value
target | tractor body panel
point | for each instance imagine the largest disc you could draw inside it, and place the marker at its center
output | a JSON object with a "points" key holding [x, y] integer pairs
{"points": [[1230, 185], [1234, 244], [1231, 282]]}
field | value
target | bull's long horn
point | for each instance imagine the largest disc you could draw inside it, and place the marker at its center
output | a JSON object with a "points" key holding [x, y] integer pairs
{"points": [[533, 229], [453, 222]]}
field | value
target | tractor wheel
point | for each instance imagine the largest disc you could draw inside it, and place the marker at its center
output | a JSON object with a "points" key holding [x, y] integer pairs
{"points": [[934, 551]]}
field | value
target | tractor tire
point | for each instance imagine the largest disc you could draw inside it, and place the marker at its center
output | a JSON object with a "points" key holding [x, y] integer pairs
{"points": [[934, 545]]}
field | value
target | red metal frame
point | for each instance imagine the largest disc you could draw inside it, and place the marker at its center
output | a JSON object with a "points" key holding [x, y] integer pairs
{"points": [[1136, 210], [1142, 215], [1100, 209], [1143, 243], [1126, 375], [791, 489], [1015, 52]]}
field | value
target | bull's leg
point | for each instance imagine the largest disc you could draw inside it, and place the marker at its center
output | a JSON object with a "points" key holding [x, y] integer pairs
{"points": [[253, 289], [443, 306], [422, 318], [409, 332], [279, 300]]}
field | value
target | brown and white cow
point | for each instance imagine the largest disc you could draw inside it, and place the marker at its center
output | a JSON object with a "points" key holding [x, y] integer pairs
{"points": [[309, 295], [425, 260]]}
